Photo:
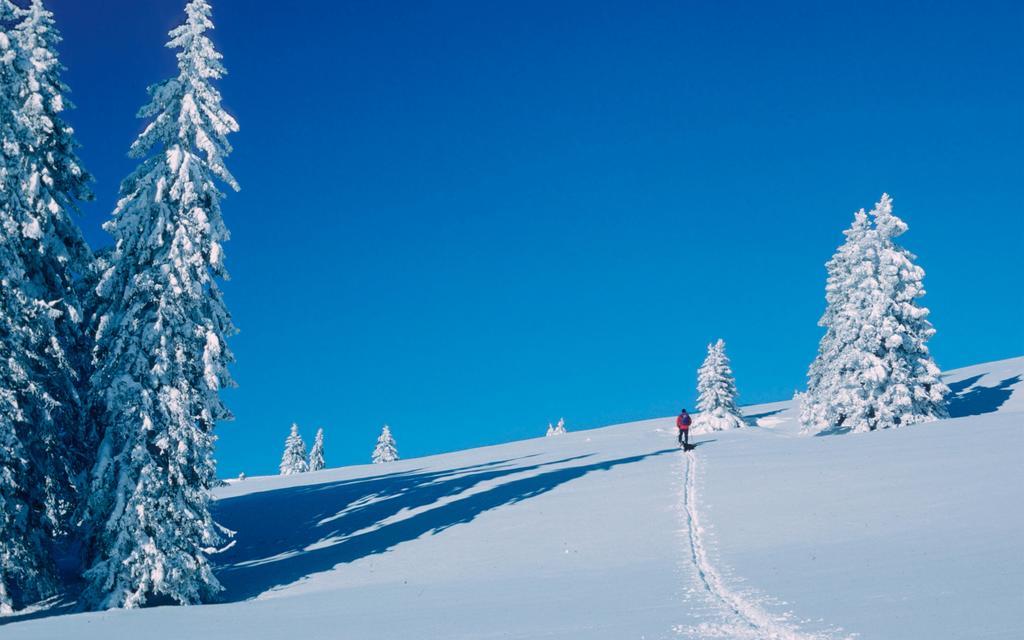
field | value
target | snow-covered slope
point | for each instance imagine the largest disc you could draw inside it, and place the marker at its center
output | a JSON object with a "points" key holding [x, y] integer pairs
{"points": [[614, 533]]}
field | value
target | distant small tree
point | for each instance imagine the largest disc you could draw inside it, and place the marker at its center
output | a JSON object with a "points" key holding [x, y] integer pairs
{"points": [[385, 450], [316, 455], [558, 429], [717, 389], [294, 458]]}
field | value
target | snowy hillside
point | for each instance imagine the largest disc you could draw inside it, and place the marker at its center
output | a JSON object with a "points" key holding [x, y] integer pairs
{"points": [[615, 533]]}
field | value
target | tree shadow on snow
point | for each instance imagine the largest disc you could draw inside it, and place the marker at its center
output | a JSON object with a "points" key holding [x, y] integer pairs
{"points": [[288, 534], [751, 420], [308, 497], [56, 606], [968, 399]]}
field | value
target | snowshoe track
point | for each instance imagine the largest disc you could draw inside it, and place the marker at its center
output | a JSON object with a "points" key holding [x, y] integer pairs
{"points": [[747, 618]]}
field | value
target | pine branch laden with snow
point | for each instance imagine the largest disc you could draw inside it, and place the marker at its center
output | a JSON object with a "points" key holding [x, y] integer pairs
{"points": [[41, 252], [293, 460], [316, 454], [385, 450], [716, 388], [160, 346], [873, 369]]}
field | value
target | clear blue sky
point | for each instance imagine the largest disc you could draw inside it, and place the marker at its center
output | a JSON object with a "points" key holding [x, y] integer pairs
{"points": [[470, 218]]}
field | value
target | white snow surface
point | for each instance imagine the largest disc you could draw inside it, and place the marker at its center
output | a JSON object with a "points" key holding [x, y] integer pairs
{"points": [[614, 533]]}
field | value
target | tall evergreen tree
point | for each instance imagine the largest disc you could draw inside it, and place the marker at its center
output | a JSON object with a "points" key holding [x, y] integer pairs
{"points": [[385, 451], [21, 556], [41, 181], [877, 373], [56, 255], [717, 393], [293, 460], [316, 454], [161, 355], [840, 332]]}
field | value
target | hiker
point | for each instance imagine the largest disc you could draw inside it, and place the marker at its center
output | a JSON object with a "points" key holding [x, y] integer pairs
{"points": [[683, 424]]}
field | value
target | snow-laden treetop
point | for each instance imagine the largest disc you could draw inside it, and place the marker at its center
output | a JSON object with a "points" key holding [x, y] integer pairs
{"points": [[188, 108]]}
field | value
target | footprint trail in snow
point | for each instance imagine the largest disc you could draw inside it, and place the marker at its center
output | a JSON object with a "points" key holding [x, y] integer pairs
{"points": [[742, 616]]}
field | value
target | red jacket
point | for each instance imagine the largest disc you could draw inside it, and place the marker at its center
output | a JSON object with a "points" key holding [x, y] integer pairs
{"points": [[683, 422]]}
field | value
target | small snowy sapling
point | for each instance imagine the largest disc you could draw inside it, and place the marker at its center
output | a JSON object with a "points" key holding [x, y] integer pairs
{"points": [[293, 460], [316, 455], [385, 450], [717, 393]]}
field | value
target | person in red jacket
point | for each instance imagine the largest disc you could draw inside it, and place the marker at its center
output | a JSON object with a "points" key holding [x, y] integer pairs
{"points": [[683, 424]]}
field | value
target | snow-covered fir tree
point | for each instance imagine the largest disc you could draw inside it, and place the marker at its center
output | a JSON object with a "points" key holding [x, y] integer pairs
{"points": [[556, 429], [385, 450], [839, 331], [293, 460], [876, 371], [56, 254], [716, 388], [316, 454], [22, 560], [160, 349], [41, 181]]}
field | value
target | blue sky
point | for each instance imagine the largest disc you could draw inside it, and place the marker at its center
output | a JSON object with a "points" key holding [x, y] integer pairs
{"points": [[467, 219]]}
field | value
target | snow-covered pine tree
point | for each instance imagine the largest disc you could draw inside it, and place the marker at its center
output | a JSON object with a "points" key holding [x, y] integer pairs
{"points": [[717, 393], [850, 259], [54, 182], [40, 249], [161, 355], [55, 179], [557, 429], [293, 460], [881, 374], [316, 454], [385, 450], [892, 380], [22, 559]]}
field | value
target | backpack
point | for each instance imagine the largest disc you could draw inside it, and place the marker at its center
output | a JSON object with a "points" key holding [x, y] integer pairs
{"points": [[686, 420]]}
